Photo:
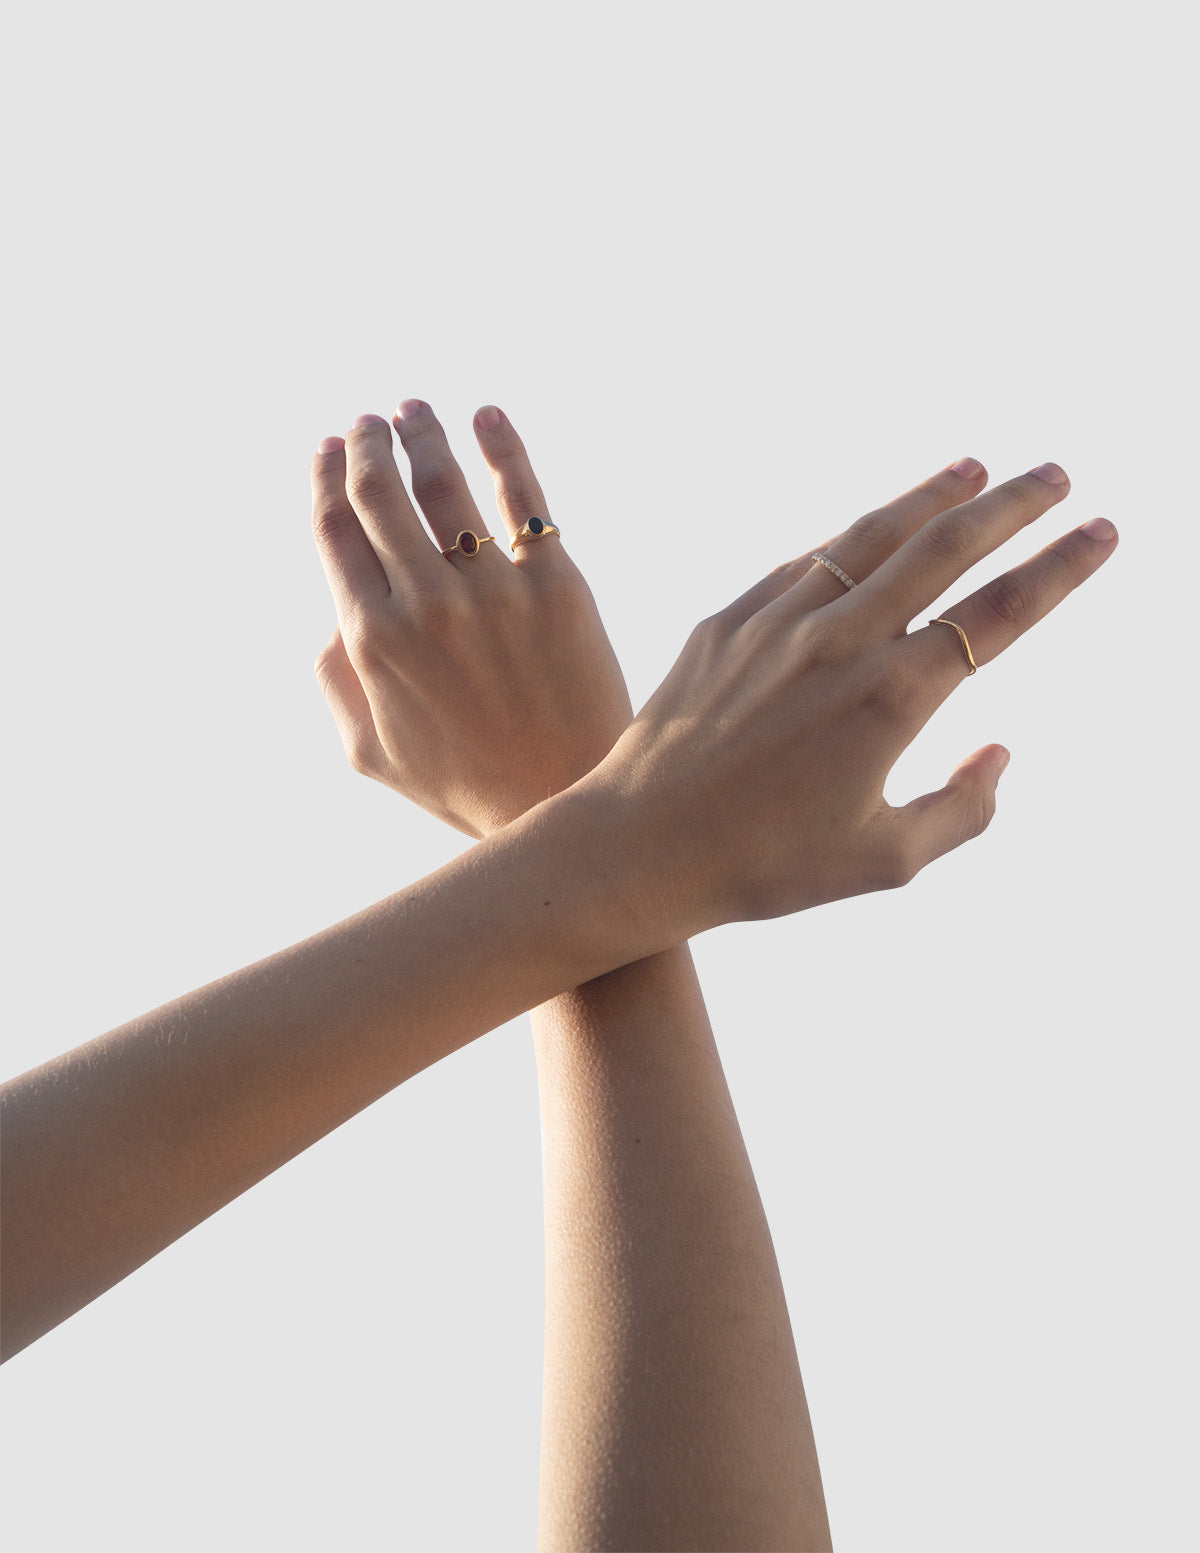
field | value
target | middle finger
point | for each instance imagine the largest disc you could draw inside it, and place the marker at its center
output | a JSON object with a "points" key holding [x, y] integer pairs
{"points": [[867, 543], [935, 557], [438, 482]]}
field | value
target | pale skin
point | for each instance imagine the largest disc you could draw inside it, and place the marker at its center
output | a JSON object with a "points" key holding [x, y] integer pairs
{"points": [[674, 1413], [801, 696]]}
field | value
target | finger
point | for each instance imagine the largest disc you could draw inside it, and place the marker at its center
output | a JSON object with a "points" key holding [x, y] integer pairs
{"points": [[765, 591], [994, 616], [867, 543], [347, 700], [351, 565], [377, 495], [437, 481], [937, 823], [518, 493], [939, 553]]}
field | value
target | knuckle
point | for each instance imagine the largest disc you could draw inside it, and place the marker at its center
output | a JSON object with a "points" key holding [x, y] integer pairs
{"points": [[710, 631], [323, 667], [361, 753], [369, 483], [1007, 599], [950, 539], [872, 529], [365, 640], [1023, 494], [436, 484], [825, 640], [888, 690], [331, 520], [980, 813], [897, 866]]}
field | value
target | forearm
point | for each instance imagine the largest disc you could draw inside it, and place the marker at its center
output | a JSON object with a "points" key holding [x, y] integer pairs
{"points": [[674, 1411], [117, 1148]]}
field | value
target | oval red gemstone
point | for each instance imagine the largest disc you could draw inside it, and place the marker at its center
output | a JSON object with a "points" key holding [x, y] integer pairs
{"points": [[467, 543]]}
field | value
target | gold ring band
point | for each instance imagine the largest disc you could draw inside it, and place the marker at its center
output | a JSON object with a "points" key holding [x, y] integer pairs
{"points": [[468, 542], [962, 636], [837, 571], [536, 528]]}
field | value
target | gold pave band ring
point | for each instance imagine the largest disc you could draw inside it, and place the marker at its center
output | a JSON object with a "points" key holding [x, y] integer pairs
{"points": [[468, 543], [962, 636], [837, 571], [536, 528]]}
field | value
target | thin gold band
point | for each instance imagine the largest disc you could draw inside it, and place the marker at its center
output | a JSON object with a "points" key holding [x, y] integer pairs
{"points": [[962, 636], [837, 571]]}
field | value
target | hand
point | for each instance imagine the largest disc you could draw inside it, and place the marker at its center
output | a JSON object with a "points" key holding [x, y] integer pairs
{"points": [[751, 785], [473, 684]]}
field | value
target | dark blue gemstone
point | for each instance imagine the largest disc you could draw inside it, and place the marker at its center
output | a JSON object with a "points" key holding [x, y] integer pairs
{"points": [[536, 526]]}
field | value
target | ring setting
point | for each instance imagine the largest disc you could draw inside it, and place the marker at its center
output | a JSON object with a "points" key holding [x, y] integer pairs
{"points": [[535, 528], [468, 542]]}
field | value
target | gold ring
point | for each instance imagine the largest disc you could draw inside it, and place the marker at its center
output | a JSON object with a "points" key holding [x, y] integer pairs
{"points": [[536, 528], [962, 636], [468, 542], [837, 571]]}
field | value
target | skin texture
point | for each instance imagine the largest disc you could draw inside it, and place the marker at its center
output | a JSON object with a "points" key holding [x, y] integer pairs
{"points": [[115, 1149], [674, 1414]]}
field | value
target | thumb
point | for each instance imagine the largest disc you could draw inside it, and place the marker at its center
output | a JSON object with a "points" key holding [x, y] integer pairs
{"points": [[939, 822]]}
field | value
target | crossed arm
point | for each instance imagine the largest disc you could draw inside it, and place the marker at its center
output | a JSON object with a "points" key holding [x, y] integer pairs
{"points": [[798, 692]]}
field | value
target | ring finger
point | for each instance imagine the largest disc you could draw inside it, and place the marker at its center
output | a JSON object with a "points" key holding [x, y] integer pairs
{"points": [[519, 496], [438, 483], [869, 542]]}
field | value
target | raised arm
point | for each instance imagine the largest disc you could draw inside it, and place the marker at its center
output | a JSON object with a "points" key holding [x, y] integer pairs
{"points": [[674, 1413], [117, 1148]]}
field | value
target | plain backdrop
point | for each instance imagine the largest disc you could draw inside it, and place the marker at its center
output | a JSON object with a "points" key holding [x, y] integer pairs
{"points": [[738, 274]]}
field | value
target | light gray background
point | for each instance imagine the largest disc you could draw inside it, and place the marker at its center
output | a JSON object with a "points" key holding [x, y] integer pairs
{"points": [[737, 274]]}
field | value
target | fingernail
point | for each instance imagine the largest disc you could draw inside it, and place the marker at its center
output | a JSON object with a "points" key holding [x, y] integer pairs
{"points": [[1098, 528], [331, 445], [408, 408], [967, 467], [488, 417], [1003, 763], [370, 420], [1051, 474]]}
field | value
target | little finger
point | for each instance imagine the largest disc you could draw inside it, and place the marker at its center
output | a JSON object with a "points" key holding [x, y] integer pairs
{"points": [[994, 616]]}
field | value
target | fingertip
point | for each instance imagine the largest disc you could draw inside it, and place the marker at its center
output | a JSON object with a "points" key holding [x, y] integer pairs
{"points": [[407, 410], [967, 468], [331, 445], [1099, 529], [488, 417]]}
